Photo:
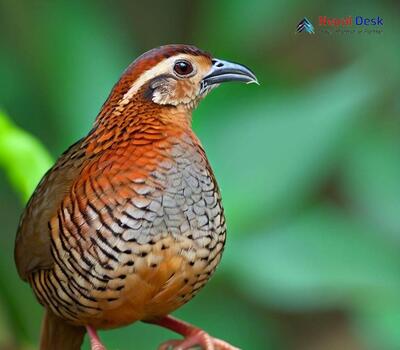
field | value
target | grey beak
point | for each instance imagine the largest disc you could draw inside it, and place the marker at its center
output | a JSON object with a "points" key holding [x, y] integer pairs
{"points": [[223, 71]]}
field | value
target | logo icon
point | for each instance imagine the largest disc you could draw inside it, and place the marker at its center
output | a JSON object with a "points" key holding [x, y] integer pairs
{"points": [[305, 26]]}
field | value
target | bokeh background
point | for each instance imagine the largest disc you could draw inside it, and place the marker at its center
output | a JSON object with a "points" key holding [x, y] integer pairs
{"points": [[308, 162]]}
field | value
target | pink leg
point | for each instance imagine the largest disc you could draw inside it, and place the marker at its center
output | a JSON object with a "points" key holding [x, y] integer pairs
{"points": [[193, 336], [95, 343]]}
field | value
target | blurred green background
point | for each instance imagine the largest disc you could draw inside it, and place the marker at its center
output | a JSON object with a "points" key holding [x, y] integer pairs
{"points": [[308, 163]]}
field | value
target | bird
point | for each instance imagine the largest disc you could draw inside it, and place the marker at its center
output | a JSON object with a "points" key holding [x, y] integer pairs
{"points": [[128, 225]]}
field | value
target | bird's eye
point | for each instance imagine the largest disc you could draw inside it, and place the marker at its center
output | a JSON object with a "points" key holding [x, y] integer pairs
{"points": [[183, 67]]}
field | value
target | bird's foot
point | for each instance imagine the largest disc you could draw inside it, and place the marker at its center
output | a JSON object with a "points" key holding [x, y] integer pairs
{"points": [[193, 336], [197, 338], [95, 342]]}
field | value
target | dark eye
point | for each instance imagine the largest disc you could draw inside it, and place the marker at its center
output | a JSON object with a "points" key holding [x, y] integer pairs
{"points": [[183, 67]]}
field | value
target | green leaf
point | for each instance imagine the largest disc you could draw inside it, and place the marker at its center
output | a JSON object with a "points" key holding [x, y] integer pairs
{"points": [[22, 157]]}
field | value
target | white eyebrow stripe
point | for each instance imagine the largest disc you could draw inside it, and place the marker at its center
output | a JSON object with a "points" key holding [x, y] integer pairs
{"points": [[160, 68]]}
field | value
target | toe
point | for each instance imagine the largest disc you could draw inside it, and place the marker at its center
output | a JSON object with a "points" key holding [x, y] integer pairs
{"points": [[198, 338], [170, 344], [223, 345]]}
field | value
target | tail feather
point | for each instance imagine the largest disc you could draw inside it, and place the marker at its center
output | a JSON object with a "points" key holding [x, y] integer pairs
{"points": [[59, 335]]}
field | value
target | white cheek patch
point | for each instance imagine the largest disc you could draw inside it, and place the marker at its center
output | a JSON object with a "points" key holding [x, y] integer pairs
{"points": [[162, 88], [161, 97]]}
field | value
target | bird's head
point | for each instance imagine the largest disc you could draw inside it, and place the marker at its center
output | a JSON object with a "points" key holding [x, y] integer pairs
{"points": [[176, 75]]}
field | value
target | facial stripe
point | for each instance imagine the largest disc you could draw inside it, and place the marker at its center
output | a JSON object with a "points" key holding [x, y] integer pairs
{"points": [[163, 67]]}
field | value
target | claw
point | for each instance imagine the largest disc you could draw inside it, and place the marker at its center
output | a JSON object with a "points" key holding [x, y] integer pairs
{"points": [[173, 343], [197, 337]]}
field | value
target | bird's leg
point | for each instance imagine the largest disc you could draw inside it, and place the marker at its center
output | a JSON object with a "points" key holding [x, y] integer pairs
{"points": [[193, 336], [95, 343]]}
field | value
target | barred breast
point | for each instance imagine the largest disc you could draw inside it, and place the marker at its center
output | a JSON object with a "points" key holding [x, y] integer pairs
{"points": [[138, 235]]}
